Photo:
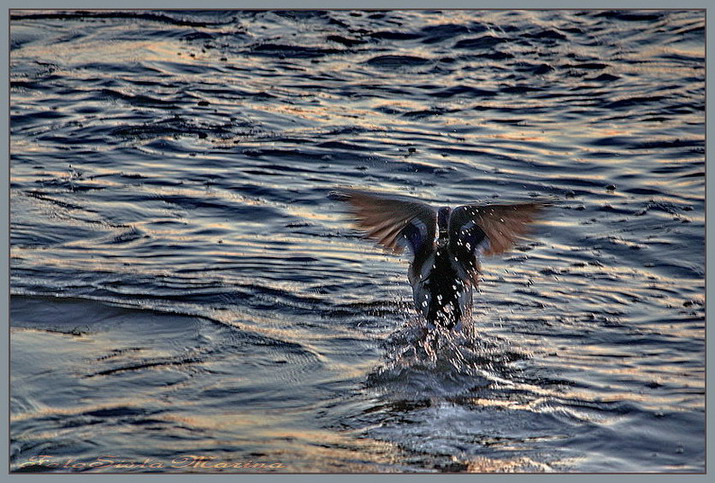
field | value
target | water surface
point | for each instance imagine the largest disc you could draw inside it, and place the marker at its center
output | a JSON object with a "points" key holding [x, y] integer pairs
{"points": [[182, 284]]}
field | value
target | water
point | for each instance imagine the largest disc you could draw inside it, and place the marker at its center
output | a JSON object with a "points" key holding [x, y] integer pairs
{"points": [[182, 285]]}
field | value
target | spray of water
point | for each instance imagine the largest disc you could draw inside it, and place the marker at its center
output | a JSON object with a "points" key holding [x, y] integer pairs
{"points": [[441, 363]]}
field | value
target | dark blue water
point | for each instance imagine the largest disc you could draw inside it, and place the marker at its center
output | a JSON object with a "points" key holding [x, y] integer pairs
{"points": [[183, 285]]}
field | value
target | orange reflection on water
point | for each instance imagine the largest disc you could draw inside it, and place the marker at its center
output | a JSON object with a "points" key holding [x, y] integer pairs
{"points": [[516, 465], [519, 137], [278, 435]]}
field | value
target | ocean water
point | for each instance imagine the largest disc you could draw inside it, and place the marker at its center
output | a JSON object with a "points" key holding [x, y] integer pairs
{"points": [[186, 296]]}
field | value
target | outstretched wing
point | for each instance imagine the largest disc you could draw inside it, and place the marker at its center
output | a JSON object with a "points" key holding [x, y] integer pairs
{"points": [[393, 223], [476, 230]]}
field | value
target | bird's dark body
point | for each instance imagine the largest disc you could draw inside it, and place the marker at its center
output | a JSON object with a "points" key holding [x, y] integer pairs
{"points": [[442, 295], [446, 245]]}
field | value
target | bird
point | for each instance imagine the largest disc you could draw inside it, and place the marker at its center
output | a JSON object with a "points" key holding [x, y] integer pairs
{"points": [[446, 245]]}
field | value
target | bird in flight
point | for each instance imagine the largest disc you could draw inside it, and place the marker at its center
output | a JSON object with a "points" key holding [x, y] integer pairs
{"points": [[446, 245]]}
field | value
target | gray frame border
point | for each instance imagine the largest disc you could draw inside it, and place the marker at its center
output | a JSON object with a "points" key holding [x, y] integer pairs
{"points": [[305, 4]]}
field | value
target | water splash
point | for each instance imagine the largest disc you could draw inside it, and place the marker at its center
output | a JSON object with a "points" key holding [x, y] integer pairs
{"points": [[442, 363]]}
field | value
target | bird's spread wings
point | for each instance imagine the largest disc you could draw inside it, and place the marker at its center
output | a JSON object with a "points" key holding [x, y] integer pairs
{"points": [[488, 230], [393, 223]]}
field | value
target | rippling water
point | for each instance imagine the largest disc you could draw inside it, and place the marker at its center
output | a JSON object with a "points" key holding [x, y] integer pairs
{"points": [[183, 285]]}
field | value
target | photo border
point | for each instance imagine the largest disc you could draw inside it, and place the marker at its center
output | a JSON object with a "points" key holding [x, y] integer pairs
{"points": [[310, 5]]}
